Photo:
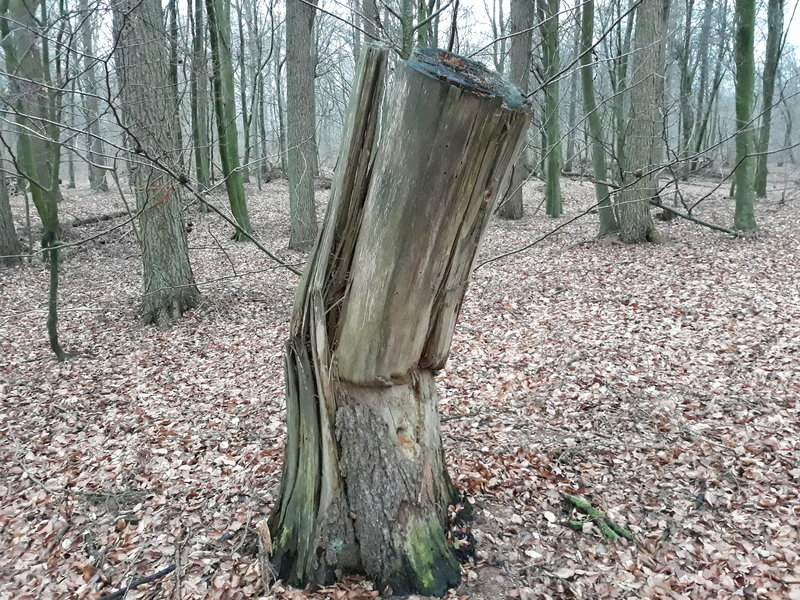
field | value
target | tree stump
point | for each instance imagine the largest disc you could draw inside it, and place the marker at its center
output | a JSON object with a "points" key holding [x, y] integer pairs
{"points": [[364, 486]]}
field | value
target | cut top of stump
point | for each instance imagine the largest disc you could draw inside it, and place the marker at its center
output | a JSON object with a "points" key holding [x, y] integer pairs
{"points": [[467, 74]]}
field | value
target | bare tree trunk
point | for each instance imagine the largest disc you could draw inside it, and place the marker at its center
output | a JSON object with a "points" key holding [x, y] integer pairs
{"points": [[364, 486], [787, 136], [37, 105], [644, 126], [301, 135], [573, 100], [522, 17], [219, 27], [687, 70], [199, 94], [243, 104], [620, 80], [281, 110], [552, 128], [771, 60], [698, 127], [151, 123], [96, 152], [10, 249], [172, 11], [744, 217], [608, 221], [71, 123]]}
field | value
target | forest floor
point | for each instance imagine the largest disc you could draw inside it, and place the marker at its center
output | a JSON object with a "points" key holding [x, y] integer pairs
{"points": [[661, 383]]}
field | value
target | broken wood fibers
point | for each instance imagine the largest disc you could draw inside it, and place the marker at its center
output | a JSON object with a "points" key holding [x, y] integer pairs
{"points": [[364, 486]]}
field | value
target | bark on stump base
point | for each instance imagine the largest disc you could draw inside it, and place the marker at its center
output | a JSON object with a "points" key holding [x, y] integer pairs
{"points": [[364, 487]]}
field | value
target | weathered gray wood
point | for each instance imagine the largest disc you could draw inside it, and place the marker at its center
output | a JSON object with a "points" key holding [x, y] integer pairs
{"points": [[364, 486]]}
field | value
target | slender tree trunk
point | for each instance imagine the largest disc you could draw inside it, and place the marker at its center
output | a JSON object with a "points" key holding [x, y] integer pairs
{"points": [[39, 151], [219, 27], [573, 101], [744, 217], [426, 32], [151, 123], [243, 93], [644, 126], [364, 486], [698, 129], [608, 221], [522, 17], [300, 109], [355, 18], [552, 64], [787, 137], [71, 122], [687, 70], [622, 60], [255, 75], [94, 140], [774, 40], [172, 10], [372, 18], [199, 94], [281, 110]]}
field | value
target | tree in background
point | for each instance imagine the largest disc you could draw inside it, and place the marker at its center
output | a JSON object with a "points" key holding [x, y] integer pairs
{"points": [[96, 153], [199, 96], [219, 27], [37, 104], [620, 38], [522, 17], [548, 15], [151, 122], [771, 60], [744, 218], [643, 132], [9, 244], [301, 127], [608, 221]]}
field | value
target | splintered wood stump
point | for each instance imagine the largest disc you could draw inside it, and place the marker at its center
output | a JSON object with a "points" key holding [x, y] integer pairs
{"points": [[364, 486]]}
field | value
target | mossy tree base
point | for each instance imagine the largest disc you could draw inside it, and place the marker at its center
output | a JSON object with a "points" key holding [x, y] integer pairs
{"points": [[364, 487]]}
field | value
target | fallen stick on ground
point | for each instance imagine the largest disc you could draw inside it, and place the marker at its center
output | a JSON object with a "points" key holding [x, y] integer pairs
{"points": [[607, 526]]}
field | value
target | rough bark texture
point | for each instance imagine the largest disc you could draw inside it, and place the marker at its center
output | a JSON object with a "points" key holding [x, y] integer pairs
{"points": [[199, 94], [774, 38], [9, 244], [644, 127], [300, 111], [364, 486], [219, 27], [150, 118], [522, 16], [744, 217], [552, 128], [619, 79], [608, 221]]}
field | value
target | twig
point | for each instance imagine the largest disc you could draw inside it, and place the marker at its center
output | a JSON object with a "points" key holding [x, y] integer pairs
{"points": [[693, 219], [465, 416], [178, 579], [608, 527], [137, 582]]}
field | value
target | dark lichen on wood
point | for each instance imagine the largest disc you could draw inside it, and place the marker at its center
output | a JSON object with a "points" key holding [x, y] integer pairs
{"points": [[465, 73]]}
